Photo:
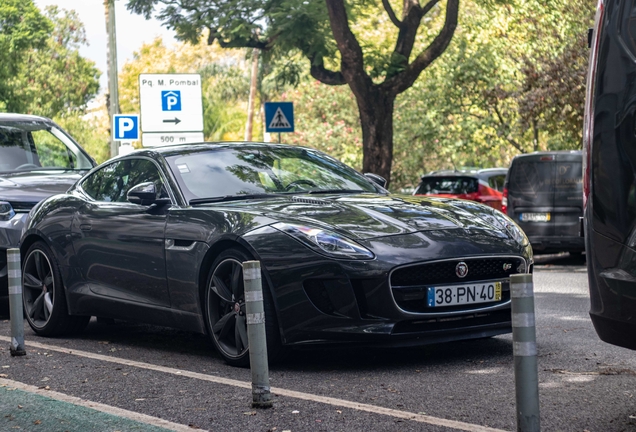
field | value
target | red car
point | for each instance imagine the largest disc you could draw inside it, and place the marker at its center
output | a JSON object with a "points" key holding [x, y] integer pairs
{"points": [[481, 185]]}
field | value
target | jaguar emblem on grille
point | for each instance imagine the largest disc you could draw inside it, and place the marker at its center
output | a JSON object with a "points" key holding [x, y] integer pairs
{"points": [[461, 270], [507, 266]]}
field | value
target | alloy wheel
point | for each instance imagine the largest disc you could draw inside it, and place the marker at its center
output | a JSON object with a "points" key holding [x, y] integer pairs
{"points": [[39, 288], [226, 308]]}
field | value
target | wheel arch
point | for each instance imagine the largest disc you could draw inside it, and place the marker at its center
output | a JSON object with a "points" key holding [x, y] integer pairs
{"points": [[28, 241], [215, 250]]}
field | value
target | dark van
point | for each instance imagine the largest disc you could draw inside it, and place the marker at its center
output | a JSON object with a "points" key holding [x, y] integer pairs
{"points": [[543, 194], [609, 176]]}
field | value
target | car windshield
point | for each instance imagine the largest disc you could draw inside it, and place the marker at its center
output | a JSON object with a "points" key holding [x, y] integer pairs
{"points": [[36, 145], [257, 171], [447, 185]]}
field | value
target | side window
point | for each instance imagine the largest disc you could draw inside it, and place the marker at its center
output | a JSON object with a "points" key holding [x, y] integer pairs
{"points": [[497, 182], [51, 151], [627, 28], [112, 182], [15, 150], [97, 183]]}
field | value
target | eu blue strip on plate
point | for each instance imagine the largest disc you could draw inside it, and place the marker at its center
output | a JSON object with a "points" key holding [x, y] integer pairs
{"points": [[431, 297]]}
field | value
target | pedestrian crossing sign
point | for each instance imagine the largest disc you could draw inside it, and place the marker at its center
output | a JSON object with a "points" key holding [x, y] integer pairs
{"points": [[279, 117]]}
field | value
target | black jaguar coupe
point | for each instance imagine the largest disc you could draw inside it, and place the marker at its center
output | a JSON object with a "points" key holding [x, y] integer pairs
{"points": [[159, 236]]}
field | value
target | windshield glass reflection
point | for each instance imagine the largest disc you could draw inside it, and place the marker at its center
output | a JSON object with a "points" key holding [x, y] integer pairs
{"points": [[257, 170]]}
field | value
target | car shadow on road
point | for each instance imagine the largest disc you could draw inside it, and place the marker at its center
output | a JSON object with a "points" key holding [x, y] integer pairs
{"points": [[495, 349]]}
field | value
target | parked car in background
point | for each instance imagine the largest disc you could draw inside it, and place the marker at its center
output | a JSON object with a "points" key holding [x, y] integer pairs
{"points": [[481, 185], [609, 173], [543, 195], [37, 159], [159, 236]]}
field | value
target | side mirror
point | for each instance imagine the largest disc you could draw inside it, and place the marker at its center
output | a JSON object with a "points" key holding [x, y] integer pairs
{"points": [[146, 194], [379, 180]]}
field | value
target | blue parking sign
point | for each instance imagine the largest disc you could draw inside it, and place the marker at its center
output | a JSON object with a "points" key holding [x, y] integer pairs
{"points": [[171, 100], [126, 127]]}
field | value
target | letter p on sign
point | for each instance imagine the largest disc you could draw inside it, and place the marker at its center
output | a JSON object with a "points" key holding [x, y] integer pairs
{"points": [[126, 127]]}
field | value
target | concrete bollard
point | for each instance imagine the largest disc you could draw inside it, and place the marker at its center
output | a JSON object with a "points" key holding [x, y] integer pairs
{"points": [[525, 353], [15, 302], [261, 394]]}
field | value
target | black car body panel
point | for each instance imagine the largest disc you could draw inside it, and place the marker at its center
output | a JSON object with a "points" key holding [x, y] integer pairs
{"points": [[40, 177], [610, 173], [547, 184], [134, 262]]}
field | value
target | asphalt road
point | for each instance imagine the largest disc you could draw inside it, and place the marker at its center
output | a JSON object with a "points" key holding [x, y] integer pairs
{"points": [[585, 384]]}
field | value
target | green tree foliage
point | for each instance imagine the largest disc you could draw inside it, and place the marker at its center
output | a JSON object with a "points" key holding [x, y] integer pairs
{"points": [[330, 35], [42, 73], [512, 81], [326, 118], [55, 79], [225, 95], [90, 131], [22, 28]]}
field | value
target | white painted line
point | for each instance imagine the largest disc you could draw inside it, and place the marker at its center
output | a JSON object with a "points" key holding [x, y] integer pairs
{"points": [[130, 415], [421, 418]]}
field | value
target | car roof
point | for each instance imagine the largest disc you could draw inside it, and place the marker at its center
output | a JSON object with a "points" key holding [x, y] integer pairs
{"points": [[177, 149], [13, 117], [469, 172], [561, 155]]}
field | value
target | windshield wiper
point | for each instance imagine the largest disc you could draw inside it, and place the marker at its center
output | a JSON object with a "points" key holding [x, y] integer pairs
{"points": [[333, 191], [223, 198]]}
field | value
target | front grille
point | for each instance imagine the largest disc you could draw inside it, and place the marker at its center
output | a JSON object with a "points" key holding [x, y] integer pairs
{"points": [[409, 285], [23, 206], [443, 272]]}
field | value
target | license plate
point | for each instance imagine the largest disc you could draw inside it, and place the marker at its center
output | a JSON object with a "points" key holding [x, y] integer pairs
{"points": [[464, 294], [534, 217]]}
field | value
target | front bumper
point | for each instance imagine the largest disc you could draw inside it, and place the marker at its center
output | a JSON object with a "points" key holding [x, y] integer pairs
{"points": [[10, 232], [612, 285], [619, 333], [557, 244], [321, 300]]}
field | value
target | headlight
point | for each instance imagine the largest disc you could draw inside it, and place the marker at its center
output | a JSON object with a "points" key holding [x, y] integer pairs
{"points": [[326, 242], [6, 211], [503, 222]]}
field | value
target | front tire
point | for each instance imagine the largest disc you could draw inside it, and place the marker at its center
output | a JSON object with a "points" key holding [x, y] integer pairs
{"points": [[225, 313], [43, 295]]}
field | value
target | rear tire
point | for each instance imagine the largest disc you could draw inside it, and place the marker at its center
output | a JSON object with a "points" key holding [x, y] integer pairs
{"points": [[225, 314], [43, 295]]}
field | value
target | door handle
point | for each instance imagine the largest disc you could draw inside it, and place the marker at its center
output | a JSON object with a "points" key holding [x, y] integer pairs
{"points": [[86, 227]]}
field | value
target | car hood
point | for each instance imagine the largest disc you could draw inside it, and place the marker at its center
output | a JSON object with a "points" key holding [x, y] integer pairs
{"points": [[32, 187], [371, 216]]}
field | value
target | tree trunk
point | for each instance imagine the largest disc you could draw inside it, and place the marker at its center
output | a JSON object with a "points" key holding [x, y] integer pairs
{"points": [[252, 97], [535, 134], [376, 118]]}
